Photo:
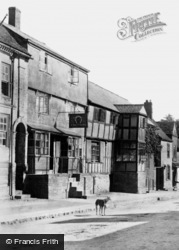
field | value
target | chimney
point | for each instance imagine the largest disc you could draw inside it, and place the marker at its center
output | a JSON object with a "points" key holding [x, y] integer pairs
{"points": [[148, 108], [15, 17]]}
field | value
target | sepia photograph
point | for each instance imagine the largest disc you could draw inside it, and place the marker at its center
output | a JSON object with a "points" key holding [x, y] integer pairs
{"points": [[89, 124]]}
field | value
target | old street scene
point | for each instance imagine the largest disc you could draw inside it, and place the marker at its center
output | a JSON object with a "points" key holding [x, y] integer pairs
{"points": [[66, 141]]}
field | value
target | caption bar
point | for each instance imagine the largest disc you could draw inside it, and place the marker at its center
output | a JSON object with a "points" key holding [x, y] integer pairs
{"points": [[32, 241]]}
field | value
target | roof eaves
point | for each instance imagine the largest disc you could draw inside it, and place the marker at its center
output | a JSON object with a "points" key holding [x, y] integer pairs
{"points": [[43, 46], [62, 58], [18, 51]]}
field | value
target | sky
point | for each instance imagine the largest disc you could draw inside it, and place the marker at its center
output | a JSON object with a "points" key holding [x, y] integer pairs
{"points": [[85, 31]]}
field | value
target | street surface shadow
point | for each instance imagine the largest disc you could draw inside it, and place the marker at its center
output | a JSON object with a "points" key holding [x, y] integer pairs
{"points": [[109, 218]]}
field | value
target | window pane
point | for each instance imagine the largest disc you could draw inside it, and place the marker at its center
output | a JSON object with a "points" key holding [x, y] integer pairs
{"points": [[126, 134], [126, 121], [5, 88], [132, 155], [131, 167], [133, 121], [133, 134], [126, 155]]}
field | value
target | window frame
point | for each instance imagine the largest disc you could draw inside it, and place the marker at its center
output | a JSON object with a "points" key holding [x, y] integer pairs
{"points": [[95, 151], [43, 140], [99, 115], [4, 130], [6, 81], [44, 100], [73, 75]]}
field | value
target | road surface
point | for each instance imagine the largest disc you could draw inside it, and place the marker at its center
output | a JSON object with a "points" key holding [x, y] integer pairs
{"points": [[133, 226]]}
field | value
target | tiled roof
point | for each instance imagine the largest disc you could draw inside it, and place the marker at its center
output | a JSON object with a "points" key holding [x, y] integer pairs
{"points": [[131, 108], [162, 135], [104, 97], [13, 42], [159, 131], [166, 126], [42, 45]]}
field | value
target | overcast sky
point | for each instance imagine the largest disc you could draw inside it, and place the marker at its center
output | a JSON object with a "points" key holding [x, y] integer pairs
{"points": [[85, 31]]}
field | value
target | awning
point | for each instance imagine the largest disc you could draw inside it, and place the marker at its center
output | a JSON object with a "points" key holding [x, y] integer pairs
{"points": [[51, 129]]}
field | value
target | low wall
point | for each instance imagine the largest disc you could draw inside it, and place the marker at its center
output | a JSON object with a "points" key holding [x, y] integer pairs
{"points": [[57, 186], [94, 183]]}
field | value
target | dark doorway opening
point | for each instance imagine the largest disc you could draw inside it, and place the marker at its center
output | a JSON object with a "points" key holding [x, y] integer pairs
{"points": [[20, 155]]}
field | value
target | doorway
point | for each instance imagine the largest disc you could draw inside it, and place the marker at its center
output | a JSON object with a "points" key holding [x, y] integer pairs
{"points": [[160, 178], [20, 155]]}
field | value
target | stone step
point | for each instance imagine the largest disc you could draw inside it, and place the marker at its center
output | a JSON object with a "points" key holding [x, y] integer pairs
{"points": [[71, 179], [23, 196]]}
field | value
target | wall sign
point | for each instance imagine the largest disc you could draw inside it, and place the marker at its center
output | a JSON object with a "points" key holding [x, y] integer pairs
{"points": [[78, 120]]}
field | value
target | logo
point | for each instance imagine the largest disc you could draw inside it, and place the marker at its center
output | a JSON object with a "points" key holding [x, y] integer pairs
{"points": [[139, 28]]}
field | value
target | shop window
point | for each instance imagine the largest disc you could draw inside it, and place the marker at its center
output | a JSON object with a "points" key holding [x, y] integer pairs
{"points": [[126, 152], [95, 151], [3, 129], [74, 147], [5, 79], [73, 76], [42, 103], [41, 144], [99, 115]]}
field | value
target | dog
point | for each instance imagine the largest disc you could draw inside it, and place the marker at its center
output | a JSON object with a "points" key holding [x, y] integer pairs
{"points": [[102, 205]]}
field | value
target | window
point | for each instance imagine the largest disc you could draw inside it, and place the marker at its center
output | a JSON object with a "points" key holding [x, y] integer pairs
{"points": [[41, 144], [168, 150], [44, 62], [74, 149], [42, 103], [114, 118], [126, 151], [73, 76], [5, 79], [99, 115], [95, 151], [3, 130], [168, 172], [142, 122]]}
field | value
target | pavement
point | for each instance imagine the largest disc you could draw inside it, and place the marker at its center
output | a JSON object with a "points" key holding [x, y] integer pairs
{"points": [[19, 211]]}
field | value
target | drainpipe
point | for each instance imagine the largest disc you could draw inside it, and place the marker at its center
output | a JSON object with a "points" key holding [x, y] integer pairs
{"points": [[11, 130], [18, 104]]}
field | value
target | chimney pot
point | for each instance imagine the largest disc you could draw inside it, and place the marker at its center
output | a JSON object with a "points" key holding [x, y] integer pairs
{"points": [[14, 17]]}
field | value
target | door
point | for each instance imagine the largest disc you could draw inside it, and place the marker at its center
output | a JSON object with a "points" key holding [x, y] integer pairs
{"points": [[159, 178]]}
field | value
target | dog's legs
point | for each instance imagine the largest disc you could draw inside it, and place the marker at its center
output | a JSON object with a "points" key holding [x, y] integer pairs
{"points": [[96, 209]]}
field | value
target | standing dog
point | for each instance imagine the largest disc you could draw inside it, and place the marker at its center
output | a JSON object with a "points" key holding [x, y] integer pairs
{"points": [[102, 205]]}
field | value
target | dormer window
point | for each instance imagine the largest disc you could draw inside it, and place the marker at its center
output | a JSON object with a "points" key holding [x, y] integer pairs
{"points": [[73, 76]]}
